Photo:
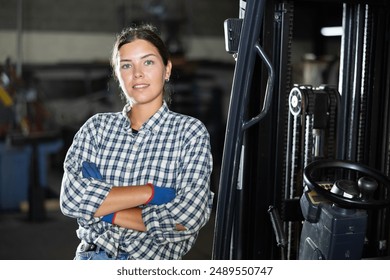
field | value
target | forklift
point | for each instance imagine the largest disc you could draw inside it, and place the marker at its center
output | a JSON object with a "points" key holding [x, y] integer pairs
{"points": [[305, 167]]}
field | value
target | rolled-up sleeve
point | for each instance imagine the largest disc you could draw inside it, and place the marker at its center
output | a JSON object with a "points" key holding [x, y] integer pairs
{"points": [[80, 197]]}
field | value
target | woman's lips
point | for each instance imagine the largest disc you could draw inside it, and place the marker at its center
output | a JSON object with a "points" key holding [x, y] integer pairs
{"points": [[140, 86]]}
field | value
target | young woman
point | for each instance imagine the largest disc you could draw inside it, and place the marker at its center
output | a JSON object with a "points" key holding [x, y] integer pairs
{"points": [[137, 181]]}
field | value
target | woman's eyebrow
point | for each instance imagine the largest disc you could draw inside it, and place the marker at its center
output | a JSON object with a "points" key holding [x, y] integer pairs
{"points": [[147, 55], [142, 57]]}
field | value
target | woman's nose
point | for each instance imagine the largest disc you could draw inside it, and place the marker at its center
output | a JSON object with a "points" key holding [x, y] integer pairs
{"points": [[138, 72]]}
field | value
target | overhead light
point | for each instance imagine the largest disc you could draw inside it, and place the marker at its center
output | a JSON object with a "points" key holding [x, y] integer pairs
{"points": [[332, 31]]}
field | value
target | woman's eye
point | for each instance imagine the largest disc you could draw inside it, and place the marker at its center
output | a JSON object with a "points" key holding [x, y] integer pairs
{"points": [[126, 66], [149, 62]]}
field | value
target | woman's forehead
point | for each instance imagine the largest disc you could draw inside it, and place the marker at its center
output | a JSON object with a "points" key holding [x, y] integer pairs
{"points": [[137, 49]]}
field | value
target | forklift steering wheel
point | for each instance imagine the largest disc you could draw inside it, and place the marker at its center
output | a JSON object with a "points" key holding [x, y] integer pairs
{"points": [[346, 193]]}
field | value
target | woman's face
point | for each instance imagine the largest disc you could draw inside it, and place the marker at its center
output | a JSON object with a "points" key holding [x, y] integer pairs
{"points": [[142, 73]]}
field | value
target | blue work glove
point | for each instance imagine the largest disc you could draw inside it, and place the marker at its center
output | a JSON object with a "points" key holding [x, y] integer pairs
{"points": [[110, 218], [90, 170], [161, 195]]}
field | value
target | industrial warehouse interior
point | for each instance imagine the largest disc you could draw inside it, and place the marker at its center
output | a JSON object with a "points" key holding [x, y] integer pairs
{"points": [[297, 118], [60, 56]]}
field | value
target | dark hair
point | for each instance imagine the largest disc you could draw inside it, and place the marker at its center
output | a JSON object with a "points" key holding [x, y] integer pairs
{"points": [[145, 32]]}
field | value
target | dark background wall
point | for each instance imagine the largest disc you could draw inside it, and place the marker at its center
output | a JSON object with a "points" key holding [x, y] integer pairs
{"points": [[84, 30], [201, 17]]}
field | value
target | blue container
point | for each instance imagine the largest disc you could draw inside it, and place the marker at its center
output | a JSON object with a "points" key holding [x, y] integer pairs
{"points": [[14, 176]]}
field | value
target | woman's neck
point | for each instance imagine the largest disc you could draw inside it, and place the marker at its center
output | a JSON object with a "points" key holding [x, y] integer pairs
{"points": [[139, 114]]}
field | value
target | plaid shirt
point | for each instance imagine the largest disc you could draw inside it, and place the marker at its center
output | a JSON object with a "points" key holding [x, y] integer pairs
{"points": [[171, 150]]}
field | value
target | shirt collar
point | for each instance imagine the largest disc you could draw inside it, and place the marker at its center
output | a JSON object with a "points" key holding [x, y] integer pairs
{"points": [[154, 123]]}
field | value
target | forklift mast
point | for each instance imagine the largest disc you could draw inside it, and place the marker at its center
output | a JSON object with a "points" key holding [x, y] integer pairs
{"points": [[277, 126]]}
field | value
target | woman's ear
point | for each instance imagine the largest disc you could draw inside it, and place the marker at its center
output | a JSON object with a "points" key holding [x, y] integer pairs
{"points": [[168, 70]]}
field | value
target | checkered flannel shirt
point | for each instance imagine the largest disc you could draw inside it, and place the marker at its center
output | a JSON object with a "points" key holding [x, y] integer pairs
{"points": [[170, 150]]}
